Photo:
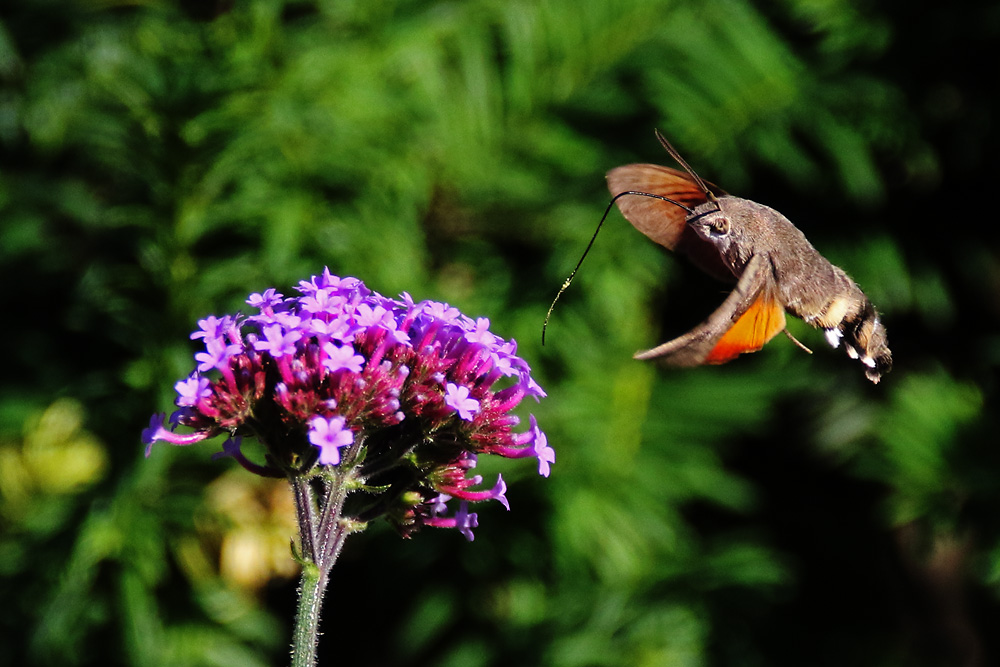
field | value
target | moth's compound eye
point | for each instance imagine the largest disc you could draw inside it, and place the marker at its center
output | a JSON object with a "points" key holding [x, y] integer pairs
{"points": [[719, 226]]}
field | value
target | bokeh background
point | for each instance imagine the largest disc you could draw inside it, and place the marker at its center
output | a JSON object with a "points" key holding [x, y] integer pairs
{"points": [[160, 160]]}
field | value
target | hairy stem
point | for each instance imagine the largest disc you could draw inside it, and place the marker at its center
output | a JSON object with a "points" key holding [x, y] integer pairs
{"points": [[305, 638], [321, 534]]}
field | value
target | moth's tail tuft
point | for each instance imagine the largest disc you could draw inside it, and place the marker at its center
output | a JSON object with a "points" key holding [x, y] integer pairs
{"points": [[865, 339]]}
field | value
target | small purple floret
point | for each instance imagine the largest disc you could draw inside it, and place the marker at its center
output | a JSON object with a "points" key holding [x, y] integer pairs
{"points": [[278, 343], [458, 398], [216, 355], [211, 327], [156, 432], [342, 357], [466, 521], [329, 435], [193, 389], [269, 299], [481, 333], [545, 454]]}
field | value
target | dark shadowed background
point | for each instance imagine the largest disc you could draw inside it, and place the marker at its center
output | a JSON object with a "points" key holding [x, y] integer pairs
{"points": [[160, 160]]}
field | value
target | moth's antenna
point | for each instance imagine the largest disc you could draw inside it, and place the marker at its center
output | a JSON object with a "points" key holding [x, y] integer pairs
{"points": [[593, 238], [677, 156]]}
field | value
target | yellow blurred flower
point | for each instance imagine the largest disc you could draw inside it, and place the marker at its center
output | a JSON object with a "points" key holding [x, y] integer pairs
{"points": [[57, 456], [252, 521]]}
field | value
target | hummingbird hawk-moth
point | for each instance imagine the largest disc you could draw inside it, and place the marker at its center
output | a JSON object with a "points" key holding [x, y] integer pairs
{"points": [[776, 270]]}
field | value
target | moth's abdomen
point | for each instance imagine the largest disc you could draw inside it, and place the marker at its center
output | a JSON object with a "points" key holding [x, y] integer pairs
{"points": [[823, 295]]}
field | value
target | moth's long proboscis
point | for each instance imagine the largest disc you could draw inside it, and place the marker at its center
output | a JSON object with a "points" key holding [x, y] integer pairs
{"points": [[593, 238]]}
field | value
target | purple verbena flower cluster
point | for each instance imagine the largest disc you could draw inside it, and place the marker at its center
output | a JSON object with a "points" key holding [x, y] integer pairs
{"points": [[407, 393]]}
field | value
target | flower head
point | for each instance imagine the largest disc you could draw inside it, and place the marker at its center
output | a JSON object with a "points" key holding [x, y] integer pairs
{"points": [[406, 393]]}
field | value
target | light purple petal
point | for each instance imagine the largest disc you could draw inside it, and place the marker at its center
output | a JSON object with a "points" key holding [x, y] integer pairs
{"points": [[269, 299], [481, 333], [211, 327], [441, 311], [342, 357], [546, 455], [277, 342], [465, 521], [216, 354], [193, 389], [499, 492], [457, 398], [329, 435]]}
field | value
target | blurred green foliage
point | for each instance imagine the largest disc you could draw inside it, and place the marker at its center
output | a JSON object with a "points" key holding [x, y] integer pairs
{"points": [[160, 160]]}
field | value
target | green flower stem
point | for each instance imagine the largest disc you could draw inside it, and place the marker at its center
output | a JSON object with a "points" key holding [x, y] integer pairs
{"points": [[305, 511], [306, 635], [322, 532]]}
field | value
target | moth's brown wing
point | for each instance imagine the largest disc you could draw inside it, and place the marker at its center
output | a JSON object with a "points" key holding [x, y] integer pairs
{"points": [[749, 317], [659, 220]]}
